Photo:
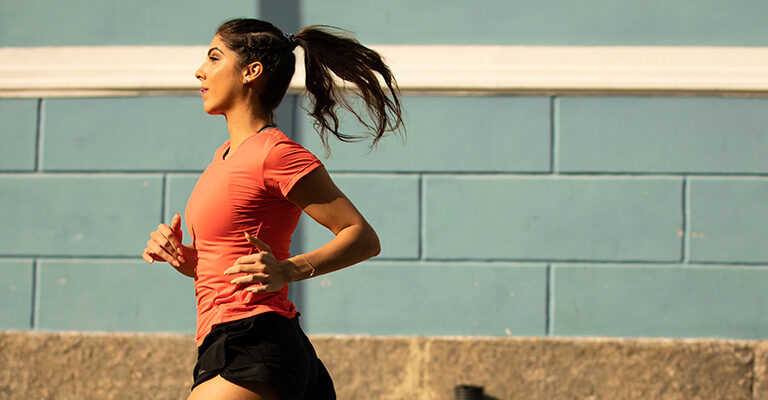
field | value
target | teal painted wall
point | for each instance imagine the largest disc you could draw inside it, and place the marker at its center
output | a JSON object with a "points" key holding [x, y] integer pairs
{"points": [[514, 22], [498, 215], [560, 239], [548, 22], [643, 216], [108, 23]]}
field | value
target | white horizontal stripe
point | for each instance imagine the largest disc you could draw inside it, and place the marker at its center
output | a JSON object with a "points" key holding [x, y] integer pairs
{"points": [[147, 70]]}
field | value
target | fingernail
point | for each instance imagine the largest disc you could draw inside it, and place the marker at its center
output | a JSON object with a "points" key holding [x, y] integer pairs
{"points": [[233, 281], [176, 263]]}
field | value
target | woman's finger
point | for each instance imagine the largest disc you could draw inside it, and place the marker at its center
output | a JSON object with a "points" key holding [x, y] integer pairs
{"points": [[152, 255], [170, 236], [176, 222], [244, 268], [146, 256], [163, 242], [255, 242], [162, 253], [264, 288], [250, 259], [250, 278]]}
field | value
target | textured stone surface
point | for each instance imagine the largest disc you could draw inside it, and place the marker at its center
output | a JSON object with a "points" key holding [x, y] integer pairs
{"points": [[371, 367], [65, 366], [530, 369], [760, 386]]}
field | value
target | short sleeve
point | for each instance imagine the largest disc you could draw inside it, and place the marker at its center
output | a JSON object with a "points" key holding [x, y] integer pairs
{"points": [[286, 163]]}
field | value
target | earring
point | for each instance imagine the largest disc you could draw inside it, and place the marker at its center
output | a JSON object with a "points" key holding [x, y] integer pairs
{"points": [[245, 81]]}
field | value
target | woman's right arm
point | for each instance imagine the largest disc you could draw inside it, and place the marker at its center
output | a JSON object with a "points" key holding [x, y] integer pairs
{"points": [[165, 245]]}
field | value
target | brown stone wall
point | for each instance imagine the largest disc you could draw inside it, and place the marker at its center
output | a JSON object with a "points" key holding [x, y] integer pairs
{"points": [[760, 386], [95, 366], [544, 368], [66, 366]]}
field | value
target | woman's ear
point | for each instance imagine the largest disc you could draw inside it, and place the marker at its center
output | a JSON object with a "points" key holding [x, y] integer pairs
{"points": [[252, 72]]}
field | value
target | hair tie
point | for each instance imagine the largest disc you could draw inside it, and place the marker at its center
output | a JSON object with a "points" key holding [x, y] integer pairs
{"points": [[292, 40]]}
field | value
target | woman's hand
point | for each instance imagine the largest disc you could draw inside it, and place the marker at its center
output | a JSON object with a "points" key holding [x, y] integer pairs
{"points": [[165, 244], [262, 268]]}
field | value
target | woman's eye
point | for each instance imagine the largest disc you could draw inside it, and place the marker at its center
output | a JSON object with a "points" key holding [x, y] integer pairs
{"points": [[213, 58]]}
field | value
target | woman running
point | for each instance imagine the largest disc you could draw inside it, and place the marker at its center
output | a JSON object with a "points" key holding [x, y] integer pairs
{"points": [[247, 202]]}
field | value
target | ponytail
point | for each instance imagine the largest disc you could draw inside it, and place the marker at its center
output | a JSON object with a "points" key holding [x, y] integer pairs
{"points": [[328, 52]]}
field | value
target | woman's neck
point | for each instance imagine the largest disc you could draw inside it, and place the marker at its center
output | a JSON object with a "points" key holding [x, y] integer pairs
{"points": [[243, 123]]}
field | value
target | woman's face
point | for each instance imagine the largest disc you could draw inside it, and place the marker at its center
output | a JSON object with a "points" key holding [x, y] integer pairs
{"points": [[221, 82]]}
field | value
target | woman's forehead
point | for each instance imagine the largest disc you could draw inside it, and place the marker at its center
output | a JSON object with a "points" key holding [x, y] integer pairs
{"points": [[217, 42]]}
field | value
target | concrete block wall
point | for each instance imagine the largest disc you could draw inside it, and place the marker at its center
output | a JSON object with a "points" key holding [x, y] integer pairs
{"points": [[83, 183], [562, 216], [610, 216], [501, 215]]}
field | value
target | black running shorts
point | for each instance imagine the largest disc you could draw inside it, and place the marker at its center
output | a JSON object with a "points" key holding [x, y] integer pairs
{"points": [[266, 348]]}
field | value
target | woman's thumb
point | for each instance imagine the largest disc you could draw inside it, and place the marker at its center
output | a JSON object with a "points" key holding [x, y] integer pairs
{"points": [[176, 225]]}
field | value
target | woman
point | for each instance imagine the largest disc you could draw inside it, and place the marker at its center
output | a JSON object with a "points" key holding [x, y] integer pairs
{"points": [[247, 202]]}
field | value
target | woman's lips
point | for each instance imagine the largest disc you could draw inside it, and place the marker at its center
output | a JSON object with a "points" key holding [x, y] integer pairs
{"points": [[203, 90]]}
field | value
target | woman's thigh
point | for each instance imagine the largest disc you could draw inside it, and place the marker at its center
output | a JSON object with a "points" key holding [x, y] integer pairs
{"points": [[218, 388]]}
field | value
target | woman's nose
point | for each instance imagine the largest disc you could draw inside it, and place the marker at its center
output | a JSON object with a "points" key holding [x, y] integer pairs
{"points": [[199, 73]]}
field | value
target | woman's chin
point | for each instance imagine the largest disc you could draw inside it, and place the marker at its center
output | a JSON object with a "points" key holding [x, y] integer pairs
{"points": [[211, 110]]}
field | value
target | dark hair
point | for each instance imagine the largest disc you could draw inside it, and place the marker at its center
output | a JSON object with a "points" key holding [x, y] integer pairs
{"points": [[328, 52]]}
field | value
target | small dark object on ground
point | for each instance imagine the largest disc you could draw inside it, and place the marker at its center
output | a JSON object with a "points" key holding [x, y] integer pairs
{"points": [[468, 392]]}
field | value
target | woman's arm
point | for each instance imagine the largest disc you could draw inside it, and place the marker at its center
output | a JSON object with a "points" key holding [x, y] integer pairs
{"points": [[165, 245], [354, 241], [187, 267]]}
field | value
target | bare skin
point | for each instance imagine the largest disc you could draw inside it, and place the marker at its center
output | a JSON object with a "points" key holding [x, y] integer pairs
{"points": [[231, 92], [220, 388]]}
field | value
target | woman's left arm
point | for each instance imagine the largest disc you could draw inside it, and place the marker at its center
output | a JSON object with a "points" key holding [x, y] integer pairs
{"points": [[354, 241]]}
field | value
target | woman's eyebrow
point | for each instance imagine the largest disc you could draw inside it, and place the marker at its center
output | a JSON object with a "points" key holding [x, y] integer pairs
{"points": [[214, 48]]}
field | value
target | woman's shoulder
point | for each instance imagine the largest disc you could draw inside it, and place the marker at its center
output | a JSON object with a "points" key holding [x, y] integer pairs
{"points": [[280, 149], [275, 137], [277, 142], [261, 144]]}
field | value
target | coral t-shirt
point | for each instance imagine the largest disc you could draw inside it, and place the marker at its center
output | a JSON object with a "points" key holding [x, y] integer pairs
{"points": [[244, 192]]}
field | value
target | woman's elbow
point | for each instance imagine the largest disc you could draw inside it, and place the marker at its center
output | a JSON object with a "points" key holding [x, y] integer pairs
{"points": [[372, 243], [376, 247]]}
